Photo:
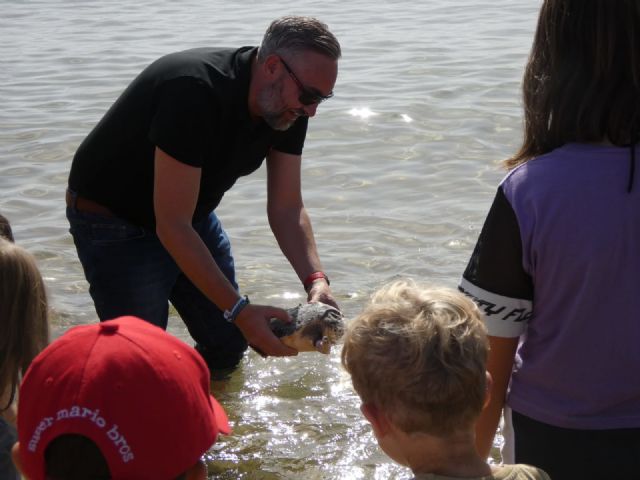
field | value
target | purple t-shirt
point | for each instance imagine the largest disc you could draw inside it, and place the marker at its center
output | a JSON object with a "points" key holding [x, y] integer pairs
{"points": [[558, 264]]}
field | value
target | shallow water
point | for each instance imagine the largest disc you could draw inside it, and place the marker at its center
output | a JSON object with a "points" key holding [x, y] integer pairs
{"points": [[399, 171]]}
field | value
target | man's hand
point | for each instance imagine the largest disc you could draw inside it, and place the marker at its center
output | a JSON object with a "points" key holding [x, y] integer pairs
{"points": [[321, 292], [253, 322]]}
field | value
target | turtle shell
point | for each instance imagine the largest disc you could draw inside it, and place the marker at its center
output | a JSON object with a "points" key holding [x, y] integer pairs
{"points": [[315, 327]]}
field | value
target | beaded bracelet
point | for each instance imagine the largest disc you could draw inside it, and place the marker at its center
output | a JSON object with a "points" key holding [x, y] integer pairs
{"points": [[230, 315]]}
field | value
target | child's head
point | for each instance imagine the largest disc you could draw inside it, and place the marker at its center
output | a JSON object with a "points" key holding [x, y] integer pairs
{"points": [[130, 397], [24, 330], [419, 354], [582, 80], [5, 229]]}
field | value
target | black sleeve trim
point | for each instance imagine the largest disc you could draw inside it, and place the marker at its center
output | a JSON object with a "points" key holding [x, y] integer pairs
{"points": [[496, 263]]}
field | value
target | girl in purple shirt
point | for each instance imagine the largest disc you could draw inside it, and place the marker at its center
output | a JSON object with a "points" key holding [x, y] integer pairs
{"points": [[556, 265]]}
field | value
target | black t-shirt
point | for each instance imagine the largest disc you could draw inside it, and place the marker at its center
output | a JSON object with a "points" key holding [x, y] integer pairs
{"points": [[192, 105]]}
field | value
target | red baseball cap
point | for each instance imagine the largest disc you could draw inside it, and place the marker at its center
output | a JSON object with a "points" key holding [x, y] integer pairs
{"points": [[140, 394]]}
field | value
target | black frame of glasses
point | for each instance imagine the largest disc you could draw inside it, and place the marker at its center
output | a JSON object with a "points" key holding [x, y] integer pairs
{"points": [[308, 95]]}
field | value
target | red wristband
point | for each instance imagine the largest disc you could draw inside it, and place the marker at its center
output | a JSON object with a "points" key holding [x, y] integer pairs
{"points": [[312, 278]]}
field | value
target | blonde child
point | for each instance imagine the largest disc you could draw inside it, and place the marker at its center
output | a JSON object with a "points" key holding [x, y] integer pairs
{"points": [[417, 359], [24, 332]]}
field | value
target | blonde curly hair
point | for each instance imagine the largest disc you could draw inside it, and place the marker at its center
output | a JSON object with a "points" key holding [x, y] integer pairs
{"points": [[419, 354]]}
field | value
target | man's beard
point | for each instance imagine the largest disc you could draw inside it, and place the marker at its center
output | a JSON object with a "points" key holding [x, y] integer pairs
{"points": [[273, 112], [277, 121]]}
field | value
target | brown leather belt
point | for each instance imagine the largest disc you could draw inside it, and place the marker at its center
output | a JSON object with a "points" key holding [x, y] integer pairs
{"points": [[87, 206]]}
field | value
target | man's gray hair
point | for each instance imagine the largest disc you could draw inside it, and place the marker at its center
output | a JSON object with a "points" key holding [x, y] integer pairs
{"points": [[296, 34]]}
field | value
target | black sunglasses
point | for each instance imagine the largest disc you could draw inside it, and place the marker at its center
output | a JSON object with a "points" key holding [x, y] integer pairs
{"points": [[308, 96]]}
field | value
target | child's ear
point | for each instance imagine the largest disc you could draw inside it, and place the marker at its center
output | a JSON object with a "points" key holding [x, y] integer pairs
{"points": [[487, 392], [376, 417]]}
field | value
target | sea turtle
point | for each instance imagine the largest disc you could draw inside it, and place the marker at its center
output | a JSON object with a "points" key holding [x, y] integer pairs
{"points": [[315, 327]]}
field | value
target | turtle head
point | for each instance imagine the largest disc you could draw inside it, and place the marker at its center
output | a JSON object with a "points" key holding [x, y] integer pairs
{"points": [[326, 330]]}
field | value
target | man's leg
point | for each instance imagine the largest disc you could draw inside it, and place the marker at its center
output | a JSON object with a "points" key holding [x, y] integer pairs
{"points": [[128, 270], [219, 342]]}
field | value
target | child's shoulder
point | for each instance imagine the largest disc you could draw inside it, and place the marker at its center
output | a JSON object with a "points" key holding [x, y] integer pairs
{"points": [[519, 472], [502, 472]]}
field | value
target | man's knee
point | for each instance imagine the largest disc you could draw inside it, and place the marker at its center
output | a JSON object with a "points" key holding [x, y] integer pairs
{"points": [[222, 361]]}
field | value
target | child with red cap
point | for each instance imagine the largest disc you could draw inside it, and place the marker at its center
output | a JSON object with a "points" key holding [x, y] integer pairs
{"points": [[121, 400]]}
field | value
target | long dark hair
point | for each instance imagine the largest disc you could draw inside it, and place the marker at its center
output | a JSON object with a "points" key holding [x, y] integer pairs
{"points": [[582, 81]]}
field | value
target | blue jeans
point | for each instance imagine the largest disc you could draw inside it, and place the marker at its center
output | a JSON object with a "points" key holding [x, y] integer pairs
{"points": [[130, 273]]}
